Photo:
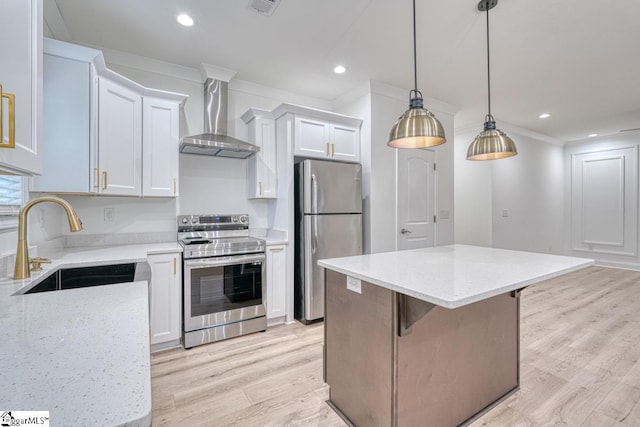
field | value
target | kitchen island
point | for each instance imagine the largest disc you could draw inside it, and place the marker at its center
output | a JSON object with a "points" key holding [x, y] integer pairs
{"points": [[427, 337]]}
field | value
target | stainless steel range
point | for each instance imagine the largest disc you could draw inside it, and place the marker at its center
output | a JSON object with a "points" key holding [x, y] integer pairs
{"points": [[224, 278]]}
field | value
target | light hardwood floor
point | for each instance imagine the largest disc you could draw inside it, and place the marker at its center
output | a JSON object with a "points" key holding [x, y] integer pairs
{"points": [[580, 366]]}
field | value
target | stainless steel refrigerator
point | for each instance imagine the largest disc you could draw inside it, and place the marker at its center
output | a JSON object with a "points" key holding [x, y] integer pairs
{"points": [[328, 199]]}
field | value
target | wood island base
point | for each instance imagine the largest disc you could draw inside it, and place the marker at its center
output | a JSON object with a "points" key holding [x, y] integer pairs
{"points": [[394, 360]]}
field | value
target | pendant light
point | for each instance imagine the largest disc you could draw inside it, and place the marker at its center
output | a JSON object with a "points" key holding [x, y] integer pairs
{"points": [[417, 127], [491, 143]]}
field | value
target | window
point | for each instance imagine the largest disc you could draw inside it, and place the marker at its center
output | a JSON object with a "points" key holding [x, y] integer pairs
{"points": [[11, 190]]}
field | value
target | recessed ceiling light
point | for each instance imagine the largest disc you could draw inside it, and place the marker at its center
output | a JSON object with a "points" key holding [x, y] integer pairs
{"points": [[185, 20], [591, 135], [339, 69], [544, 115]]}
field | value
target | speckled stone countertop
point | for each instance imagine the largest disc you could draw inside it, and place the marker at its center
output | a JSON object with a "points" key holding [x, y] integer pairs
{"points": [[82, 354], [455, 275]]}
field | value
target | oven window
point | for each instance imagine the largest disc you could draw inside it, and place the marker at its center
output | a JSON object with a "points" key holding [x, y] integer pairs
{"points": [[216, 289]]}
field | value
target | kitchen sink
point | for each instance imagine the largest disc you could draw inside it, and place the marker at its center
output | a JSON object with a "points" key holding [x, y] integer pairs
{"points": [[83, 277]]}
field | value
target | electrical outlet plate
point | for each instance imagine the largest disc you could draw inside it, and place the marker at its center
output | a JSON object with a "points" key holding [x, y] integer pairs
{"points": [[109, 214]]}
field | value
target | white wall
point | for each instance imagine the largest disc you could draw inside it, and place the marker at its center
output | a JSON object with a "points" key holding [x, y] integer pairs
{"points": [[473, 194], [530, 186]]}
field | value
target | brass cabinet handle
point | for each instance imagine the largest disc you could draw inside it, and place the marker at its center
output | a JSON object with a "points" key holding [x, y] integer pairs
{"points": [[333, 150], [104, 180], [260, 187], [11, 98], [328, 148], [272, 250], [175, 267], [96, 178]]}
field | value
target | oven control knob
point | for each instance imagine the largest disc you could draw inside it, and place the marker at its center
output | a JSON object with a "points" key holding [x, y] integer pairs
{"points": [[234, 219], [243, 219], [185, 220], [194, 220]]}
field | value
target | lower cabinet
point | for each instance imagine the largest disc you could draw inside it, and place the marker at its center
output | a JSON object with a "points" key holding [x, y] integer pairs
{"points": [[276, 297], [165, 300]]}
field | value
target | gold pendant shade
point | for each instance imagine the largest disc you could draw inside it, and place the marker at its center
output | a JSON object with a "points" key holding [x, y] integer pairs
{"points": [[491, 144], [416, 128]]}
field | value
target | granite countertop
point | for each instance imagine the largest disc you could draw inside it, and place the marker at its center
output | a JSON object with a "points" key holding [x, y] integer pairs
{"points": [[82, 354], [455, 275]]}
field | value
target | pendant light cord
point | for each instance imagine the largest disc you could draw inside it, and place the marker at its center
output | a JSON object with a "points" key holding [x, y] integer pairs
{"points": [[488, 69], [415, 55]]}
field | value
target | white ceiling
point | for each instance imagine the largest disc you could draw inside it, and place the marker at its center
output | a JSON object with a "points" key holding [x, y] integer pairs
{"points": [[576, 59]]}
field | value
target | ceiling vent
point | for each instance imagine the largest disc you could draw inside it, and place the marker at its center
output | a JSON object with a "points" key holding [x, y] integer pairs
{"points": [[263, 7]]}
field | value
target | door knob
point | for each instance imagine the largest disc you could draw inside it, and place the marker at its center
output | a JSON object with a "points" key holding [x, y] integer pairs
{"points": [[405, 231]]}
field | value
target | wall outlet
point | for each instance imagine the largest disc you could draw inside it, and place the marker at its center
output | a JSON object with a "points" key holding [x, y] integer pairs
{"points": [[109, 214], [505, 213]]}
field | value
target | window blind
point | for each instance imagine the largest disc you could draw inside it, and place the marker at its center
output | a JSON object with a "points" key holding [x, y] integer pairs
{"points": [[10, 194]]}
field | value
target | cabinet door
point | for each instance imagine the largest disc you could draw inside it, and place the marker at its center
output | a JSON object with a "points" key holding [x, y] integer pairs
{"points": [[276, 281], [262, 167], [160, 145], [312, 138], [345, 143], [165, 295], [67, 127], [21, 81], [119, 139]]}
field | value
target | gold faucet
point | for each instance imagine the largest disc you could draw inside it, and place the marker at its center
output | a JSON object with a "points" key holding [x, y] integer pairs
{"points": [[21, 270]]}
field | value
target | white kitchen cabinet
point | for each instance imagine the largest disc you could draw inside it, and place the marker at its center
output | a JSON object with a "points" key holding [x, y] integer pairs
{"points": [[67, 124], [322, 134], [119, 137], [276, 298], [21, 86], [261, 168], [320, 139], [345, 143], [165, 295], [160, 142]]}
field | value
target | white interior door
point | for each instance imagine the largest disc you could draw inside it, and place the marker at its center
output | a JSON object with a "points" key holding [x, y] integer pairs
{"points": [[416, 199]]}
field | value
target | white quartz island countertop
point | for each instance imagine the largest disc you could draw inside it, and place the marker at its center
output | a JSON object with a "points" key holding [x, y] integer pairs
{"points": [[81, 354], [455, 275]]}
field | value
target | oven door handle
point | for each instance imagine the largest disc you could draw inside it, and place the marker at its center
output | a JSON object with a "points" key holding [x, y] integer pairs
{"points": [[222, 261]]}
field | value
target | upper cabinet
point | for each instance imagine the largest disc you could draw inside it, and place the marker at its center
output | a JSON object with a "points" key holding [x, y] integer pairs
{"points": [[160, 119], [20, 86], [121, 138], [119, 169], [323, 135], [261, 168]]}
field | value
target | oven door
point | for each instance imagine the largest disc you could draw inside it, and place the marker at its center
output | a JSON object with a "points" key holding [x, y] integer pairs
{"points": [[223, 290]]}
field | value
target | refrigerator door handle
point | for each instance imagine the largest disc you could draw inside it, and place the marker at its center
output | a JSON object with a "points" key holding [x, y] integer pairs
{"points": [[314, 244], [314, 194]]}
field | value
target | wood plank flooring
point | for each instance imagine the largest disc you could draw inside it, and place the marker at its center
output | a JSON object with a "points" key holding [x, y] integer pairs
{"points": [[580, 366]]}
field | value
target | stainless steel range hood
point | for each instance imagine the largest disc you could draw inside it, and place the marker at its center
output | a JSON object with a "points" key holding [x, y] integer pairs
{"points": [[214, 141]]}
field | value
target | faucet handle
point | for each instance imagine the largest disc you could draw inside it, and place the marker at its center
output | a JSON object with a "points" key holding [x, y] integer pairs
{"points": [[36, 263]]}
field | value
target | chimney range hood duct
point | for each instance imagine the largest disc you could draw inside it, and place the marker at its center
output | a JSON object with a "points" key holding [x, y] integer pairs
{"points": [[214, 141]]}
